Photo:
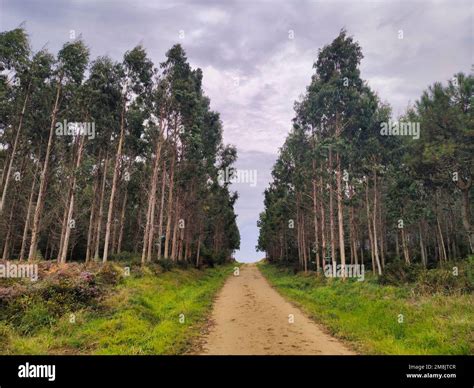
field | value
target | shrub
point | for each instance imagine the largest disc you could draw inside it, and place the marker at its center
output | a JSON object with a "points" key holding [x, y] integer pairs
{"points": [[126, 257], [109, 274], [399, 273], [429, 281], [64, 288], [166, 264]]}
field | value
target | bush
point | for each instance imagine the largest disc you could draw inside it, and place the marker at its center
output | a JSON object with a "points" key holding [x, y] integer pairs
{"points": [[65, 288], [166, 264], [183, 264], [126, 257], [109, 275], [5, 335], [429, 281], [444, 281], [399, 273]]}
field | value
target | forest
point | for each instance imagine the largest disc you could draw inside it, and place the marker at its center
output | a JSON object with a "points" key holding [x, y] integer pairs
{"points": [[351, 185], [102, 160], [117, 192]]}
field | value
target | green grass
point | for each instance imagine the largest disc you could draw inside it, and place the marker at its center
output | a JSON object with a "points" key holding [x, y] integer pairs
{"points": [[141, 316], [366, 314]]}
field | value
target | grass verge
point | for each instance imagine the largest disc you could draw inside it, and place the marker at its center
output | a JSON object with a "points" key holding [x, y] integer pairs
{"points": [[145, 314], [368, 315]]}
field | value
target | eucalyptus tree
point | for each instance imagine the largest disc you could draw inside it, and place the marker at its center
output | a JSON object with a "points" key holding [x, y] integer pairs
{"points": [[15, 86], [443, 155], [70, 66], [136, 81]]}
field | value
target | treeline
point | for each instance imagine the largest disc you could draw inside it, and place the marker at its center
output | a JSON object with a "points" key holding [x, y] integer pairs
{"points": [[104, 158], [352, 186]]}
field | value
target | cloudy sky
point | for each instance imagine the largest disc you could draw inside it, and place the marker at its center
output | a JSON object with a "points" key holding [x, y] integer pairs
{"points": [[257, 57]]}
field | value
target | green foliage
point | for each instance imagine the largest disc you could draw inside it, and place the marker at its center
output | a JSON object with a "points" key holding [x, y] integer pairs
{"points": [[141, 114], [31, 306], [166, 264], [141, 316], [455, 279]]}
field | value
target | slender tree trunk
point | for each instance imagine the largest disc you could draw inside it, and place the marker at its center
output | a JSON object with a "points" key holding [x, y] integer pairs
{"points": [[369, 226], [92, 215], [315, 219], [198, 251], [315, 209], [323, 223], [443, 255], [28, 217], [118, 157], [101, 208], [43, 178], [170, 208], [71, 200], [466, 216], [122, 222], [13, 152], [422, 246], [175, 230], [406, 252], [331, 213], [162, 205], [382, 231], [6, 246], [149, 228], [340, 216], [376, 250]]}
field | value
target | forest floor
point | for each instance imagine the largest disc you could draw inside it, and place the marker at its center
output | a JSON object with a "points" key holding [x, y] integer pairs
{"points": [[251, 318]]}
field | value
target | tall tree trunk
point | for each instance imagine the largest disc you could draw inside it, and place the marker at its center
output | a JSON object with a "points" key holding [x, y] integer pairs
{"points": [[118, 157], [331, 213], [101, 208], [6, 245], [13, 152], [43, 178], [376, 250], [149, 227], [175, 230], [323, 222], [422, 246], [315, 219], [406, 252], [198, 251], [170, 208], [122, 222], [71, 199], [340, 215], [369, 226], [92, 214], [466, 216], [28, 216], [162, 205], [443, 255]]}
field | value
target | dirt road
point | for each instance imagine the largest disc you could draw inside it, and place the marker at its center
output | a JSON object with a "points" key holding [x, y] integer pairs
{"points": [[250, 317]]}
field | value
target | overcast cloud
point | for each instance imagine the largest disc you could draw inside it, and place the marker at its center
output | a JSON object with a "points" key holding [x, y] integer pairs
{"points": [[257, 57]]}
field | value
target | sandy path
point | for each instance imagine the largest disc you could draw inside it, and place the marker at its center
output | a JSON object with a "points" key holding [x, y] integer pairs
{"points": [[250, 317]]}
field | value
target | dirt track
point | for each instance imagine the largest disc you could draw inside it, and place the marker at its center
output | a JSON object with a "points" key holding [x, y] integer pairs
{"points": [[250, 317]]}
